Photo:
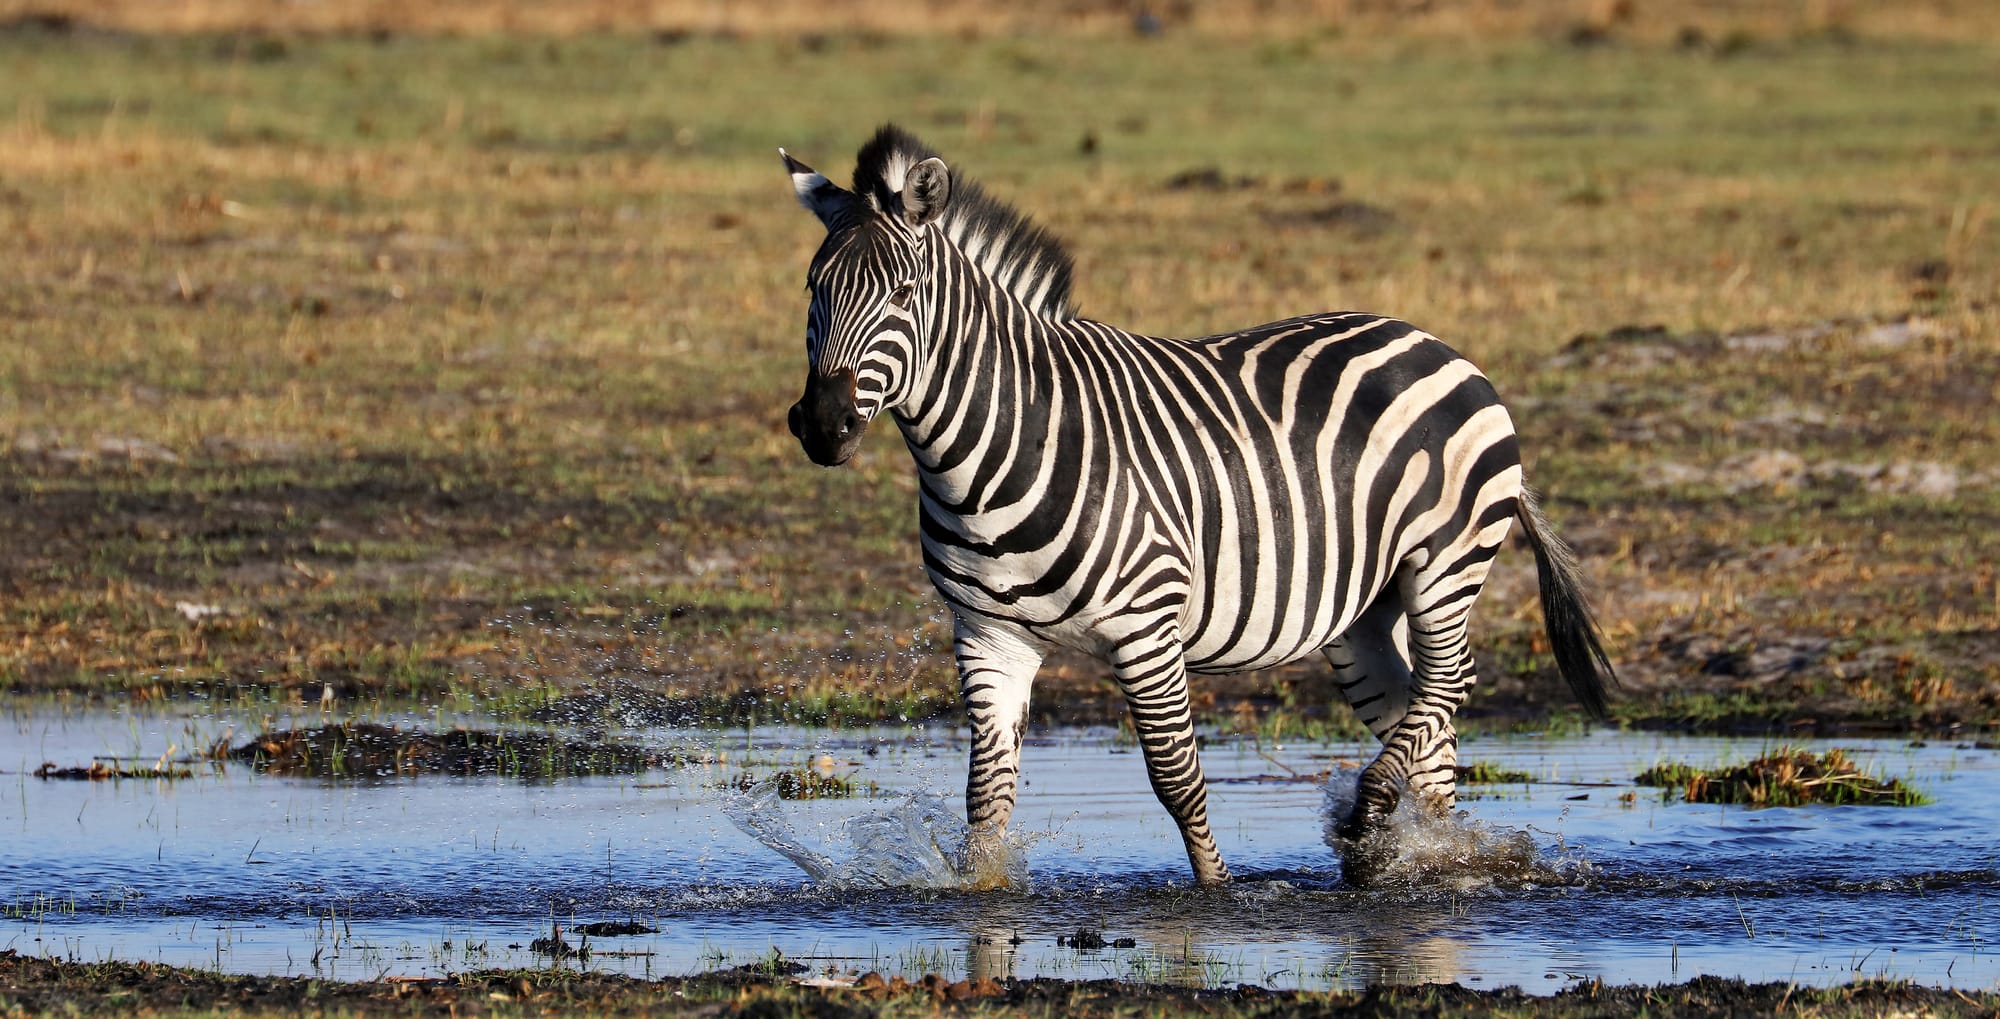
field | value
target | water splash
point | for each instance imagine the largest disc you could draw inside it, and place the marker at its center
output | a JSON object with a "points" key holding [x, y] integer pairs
{"points": [[1420, 849], [913, 844]]}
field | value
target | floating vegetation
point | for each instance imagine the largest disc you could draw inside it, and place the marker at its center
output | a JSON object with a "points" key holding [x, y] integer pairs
{"points": [[1082, 937], [555, 947], [1488, 773], [110, 769], [614, 929], [367, 750], [1787, 777], [808, 782]]}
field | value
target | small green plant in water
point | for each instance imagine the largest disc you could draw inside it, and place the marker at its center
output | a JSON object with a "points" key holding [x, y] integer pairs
{"points": [[1787, 777], [103, 770], [1488, 773]]}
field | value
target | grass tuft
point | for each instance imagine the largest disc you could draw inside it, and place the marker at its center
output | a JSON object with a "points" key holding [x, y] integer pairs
{"points": [[807, 782], [1488, 773], [1788, 777], [106, 770]]}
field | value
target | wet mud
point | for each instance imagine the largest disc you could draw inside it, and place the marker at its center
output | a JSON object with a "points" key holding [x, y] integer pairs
{"points": [[36, 986]]}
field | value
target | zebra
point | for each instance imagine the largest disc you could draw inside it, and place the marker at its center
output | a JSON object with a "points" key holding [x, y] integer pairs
{"points": [[1335, 483]]}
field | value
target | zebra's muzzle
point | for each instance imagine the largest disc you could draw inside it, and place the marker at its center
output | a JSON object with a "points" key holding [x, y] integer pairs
{"points": [[825, 419]]}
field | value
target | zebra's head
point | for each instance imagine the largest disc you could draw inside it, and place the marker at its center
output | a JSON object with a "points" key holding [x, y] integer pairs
{"points": [[864, 327]]}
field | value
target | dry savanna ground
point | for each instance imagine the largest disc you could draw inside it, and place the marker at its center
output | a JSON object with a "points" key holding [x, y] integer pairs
{"points": [[441, 351]]}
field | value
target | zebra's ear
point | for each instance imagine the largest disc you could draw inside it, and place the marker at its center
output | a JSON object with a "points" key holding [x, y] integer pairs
{"points": [[926, 192], [821, 197]]}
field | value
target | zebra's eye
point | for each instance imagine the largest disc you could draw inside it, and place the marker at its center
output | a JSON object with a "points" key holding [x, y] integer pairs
{"points": [[900, 297]]}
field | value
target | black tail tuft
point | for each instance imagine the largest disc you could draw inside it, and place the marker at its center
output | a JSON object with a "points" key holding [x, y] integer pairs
{"points": [[1572, 630]]}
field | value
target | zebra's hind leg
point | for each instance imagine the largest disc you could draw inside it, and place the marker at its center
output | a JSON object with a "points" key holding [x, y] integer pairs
{"points": [[1371, 665], [1371, 668], [996, 670], [1153, 674], [1422, 749]]}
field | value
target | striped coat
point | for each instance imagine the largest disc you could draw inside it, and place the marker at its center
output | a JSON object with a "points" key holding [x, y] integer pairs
{"points": [[1334, 483]]}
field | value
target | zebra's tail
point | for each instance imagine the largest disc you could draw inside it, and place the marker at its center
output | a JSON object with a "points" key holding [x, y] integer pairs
{"points": [[1572, 630]]}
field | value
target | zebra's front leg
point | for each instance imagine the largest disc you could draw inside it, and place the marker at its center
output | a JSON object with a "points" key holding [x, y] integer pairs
{"points": [[996, 670], [1154, 677]]}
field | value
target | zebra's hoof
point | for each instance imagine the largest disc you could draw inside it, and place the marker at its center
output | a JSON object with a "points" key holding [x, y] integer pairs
{"points": [[1364, 861], [982, 863], [1373, 803], [1359, 825]]}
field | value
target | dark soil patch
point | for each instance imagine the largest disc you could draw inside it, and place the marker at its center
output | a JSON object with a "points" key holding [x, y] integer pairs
{"points": [[1211, 178], [36, 986], [614, 929], [1351, 215]]}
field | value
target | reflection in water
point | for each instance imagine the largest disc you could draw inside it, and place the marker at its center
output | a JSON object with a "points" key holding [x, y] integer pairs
{"points": [[992, 940], [1388, 959]]}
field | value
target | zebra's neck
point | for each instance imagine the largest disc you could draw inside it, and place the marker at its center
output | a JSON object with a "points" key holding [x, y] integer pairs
{"points": [[983, 407]]}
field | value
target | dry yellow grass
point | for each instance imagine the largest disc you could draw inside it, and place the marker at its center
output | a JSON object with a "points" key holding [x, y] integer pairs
{"points": [[1484, 20], [460, 363]]}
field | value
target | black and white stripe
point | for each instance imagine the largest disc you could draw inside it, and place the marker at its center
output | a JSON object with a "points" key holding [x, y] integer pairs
{"points": [[1334, 483]]}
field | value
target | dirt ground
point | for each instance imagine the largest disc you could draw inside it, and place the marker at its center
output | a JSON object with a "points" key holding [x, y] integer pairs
{"points": [[32, 986], [419, 361]]}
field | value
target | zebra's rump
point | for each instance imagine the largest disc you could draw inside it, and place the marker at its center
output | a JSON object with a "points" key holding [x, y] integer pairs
{"points": [[1366, 448]]}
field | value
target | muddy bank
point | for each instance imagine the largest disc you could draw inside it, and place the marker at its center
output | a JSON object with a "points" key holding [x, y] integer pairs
{"points": [[34, 986]]}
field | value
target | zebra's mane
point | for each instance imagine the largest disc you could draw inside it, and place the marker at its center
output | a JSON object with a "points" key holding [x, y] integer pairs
{"points": [[1023, 258]]}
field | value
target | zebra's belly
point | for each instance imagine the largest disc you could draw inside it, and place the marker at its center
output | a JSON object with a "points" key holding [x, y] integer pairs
{"points": [[1085, 631], [1282, 656], [1253, 656], [1271, 626]]}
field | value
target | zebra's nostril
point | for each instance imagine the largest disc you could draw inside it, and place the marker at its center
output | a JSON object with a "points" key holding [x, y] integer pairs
{"points": [[850, 424]]}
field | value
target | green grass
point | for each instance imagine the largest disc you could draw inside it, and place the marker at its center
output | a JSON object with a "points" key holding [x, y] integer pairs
{"points": [[453, 367], [1488, 773], [111, 771]]}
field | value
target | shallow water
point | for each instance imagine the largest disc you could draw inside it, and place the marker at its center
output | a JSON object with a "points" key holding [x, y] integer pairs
{"points": [[424, 876]]}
